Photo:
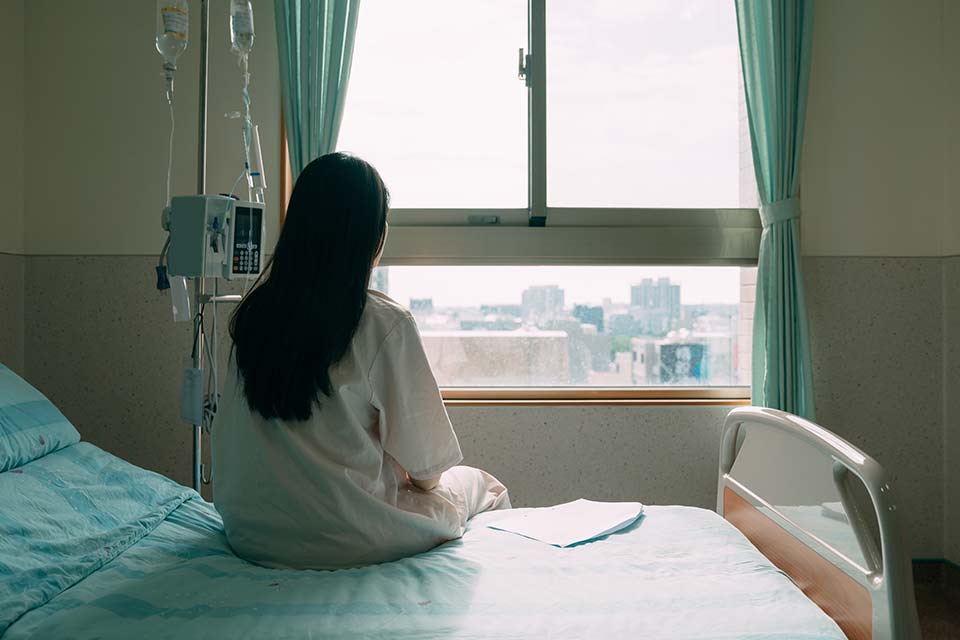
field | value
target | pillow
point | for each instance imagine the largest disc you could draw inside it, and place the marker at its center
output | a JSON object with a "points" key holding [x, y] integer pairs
{"points": [[30, 426]]}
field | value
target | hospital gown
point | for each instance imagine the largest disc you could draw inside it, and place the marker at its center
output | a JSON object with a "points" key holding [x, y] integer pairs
{"points": [[332, 492]]}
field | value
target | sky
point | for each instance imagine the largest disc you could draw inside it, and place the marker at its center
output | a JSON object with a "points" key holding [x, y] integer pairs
{"points": [[467, 286]]}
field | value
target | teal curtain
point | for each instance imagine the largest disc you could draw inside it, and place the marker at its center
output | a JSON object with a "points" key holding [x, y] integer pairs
{"points": [[315, 40], [775, 41]]}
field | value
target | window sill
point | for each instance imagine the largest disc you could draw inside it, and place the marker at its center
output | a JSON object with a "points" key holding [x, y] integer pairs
{"points": [[717, 396]]}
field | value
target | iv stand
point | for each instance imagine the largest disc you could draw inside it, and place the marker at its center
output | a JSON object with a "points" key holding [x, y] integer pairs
{"points": [[199, 283]]}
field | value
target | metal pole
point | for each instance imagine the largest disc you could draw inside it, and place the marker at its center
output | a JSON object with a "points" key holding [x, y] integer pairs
{"points": [[204, 64], [201, 188]]}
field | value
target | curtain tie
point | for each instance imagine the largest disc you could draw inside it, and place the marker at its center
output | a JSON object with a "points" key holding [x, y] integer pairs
{"points": [[779, 211]]}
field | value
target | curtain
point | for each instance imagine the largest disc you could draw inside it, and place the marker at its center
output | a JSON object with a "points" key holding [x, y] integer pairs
{"points": [[315, 41], [775, 41]]}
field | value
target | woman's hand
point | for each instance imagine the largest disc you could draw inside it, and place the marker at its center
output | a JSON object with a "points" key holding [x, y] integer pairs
{"points": [[425, 485]]}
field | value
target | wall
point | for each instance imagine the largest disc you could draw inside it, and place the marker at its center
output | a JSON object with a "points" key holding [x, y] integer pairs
{"points": [[872, 167], [11, 184], [951, 388], [100, 342], [952, 292], [11, 310], [11, 117], [951, 86], [99, 122], [876, 339], [876, 224]]}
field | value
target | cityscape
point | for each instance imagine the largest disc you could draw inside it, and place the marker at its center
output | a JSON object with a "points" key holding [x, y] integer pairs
{"points": [[646, 339]]}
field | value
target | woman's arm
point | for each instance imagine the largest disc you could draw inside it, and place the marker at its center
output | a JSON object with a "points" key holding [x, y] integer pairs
{"points": [[426, 485]]}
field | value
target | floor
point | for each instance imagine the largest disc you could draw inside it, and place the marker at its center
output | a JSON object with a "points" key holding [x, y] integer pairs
{"points": [[938, 602]]}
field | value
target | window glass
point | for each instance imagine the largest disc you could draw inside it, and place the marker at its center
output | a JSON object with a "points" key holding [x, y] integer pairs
{"points": [[597, 326], [435, 104], [644, 105]]}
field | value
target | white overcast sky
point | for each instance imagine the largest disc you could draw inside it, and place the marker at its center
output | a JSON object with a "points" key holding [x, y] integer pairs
{"points": [[642, 112], [461, 286]]}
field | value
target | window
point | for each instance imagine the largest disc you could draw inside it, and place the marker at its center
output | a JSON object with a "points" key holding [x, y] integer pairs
{"points": [[575, 326], [580, 213]]}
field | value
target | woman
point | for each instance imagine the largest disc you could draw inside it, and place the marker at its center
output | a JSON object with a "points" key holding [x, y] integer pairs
{"points": [[332, 447]]}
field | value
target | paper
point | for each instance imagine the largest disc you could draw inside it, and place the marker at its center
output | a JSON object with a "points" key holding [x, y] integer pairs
{"points": [[567, 524]]}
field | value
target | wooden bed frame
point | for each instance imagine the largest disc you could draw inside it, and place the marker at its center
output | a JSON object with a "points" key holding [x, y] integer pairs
{"points": [[875, 602]]}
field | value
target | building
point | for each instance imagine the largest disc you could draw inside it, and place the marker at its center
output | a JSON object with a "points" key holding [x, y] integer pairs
{"points": [[420, 306], [656, 306], [541, 304], [589, 315], [686, 358], [525, 358]]}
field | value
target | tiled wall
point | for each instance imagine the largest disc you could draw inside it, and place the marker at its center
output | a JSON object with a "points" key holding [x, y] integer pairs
{"points": [[951, 389], [100, 341], [876, 338], [11, 310]]}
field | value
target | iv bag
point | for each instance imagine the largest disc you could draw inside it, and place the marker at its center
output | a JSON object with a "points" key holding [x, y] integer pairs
{"points": [[173, 22], [241, 26]]}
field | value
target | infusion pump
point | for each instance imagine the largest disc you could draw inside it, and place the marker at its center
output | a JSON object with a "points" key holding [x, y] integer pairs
{"points": [[215, 237]]}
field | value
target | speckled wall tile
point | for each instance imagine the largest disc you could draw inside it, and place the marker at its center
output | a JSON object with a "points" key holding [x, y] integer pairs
{"points": [[876, 338], [656, 455], [103, 345], [951, 387], [11, 310]]}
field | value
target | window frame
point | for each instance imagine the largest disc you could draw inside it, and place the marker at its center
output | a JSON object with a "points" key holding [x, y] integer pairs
{"points": [[544, 235]]}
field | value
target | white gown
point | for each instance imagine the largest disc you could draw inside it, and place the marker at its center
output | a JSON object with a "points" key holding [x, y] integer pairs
{"points": [[331, 492]]}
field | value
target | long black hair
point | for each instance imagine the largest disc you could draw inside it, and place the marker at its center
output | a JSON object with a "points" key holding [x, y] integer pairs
{"points": [[300, 319]]}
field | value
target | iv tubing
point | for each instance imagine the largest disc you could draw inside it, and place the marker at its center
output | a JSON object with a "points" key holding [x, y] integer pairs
{"points": [[247, 124], [173, 128]]}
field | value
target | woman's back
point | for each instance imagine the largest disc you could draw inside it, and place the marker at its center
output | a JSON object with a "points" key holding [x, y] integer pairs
{"points": [[325, 493]]}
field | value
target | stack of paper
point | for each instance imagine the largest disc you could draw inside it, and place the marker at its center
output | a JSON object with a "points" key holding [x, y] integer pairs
{"points": [[573, 522]]}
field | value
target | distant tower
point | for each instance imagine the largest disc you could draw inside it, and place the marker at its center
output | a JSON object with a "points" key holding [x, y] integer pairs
{"points": [[656, 305], [542, 304]]}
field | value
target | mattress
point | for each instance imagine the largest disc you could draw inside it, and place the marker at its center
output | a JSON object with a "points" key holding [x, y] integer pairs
{"points": [[679, 572]]}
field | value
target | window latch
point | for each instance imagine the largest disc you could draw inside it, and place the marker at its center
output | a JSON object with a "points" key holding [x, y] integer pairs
{"points": [[523, 67]]}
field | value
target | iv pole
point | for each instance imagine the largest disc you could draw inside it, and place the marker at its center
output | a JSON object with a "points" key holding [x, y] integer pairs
{"points": [[200, 295], [199, 288]]}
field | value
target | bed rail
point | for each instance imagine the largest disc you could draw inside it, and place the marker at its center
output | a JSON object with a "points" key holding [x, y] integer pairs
{"points": [[851, 562]]}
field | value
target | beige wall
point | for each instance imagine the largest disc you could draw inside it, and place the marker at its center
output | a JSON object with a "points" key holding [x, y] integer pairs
{"points": [[97, 120], [873, 163], [11, 125], [951, 38], [951, 290]]}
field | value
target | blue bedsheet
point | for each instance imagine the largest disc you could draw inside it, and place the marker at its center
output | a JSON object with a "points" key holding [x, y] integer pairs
{"points": [[679, 573], [67, 514]]}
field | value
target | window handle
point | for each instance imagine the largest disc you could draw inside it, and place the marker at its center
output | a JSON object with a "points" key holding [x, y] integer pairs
{"points": [[523, 67]]}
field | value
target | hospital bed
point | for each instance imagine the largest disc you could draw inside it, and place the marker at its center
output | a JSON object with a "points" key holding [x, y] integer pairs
{"points": [[94, 547]]}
